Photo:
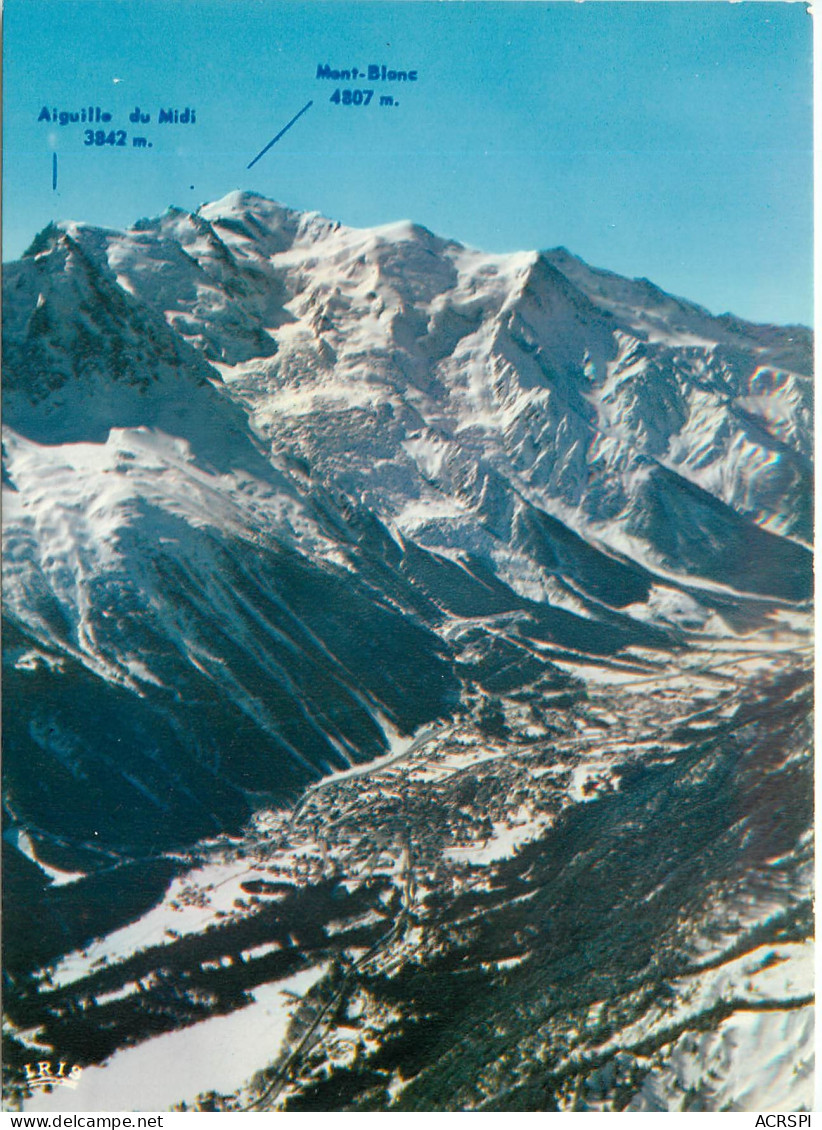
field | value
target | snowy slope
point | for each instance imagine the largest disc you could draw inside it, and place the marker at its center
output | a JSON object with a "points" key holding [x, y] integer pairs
{"points": [[219, 423], [428, 379]]}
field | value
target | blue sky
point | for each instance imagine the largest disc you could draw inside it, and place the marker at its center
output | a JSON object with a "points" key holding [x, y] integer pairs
{"points": [[670, 140]]}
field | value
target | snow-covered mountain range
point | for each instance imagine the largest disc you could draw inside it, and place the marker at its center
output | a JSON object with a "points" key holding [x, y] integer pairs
{"points": [[278, 491]]}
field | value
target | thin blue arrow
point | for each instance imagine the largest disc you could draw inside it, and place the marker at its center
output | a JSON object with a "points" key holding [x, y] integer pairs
{"points": [[279, 135]]}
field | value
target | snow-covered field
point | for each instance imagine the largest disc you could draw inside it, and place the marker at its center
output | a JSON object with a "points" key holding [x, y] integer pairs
{"points": [[218, 1054]]}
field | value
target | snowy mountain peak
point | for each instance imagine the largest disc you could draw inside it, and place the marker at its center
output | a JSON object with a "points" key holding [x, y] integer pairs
{"points": [[501, 565], [240, 404]]}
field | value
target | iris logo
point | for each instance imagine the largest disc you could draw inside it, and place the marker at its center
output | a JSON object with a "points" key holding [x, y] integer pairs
{"points": [[41, 1075]]}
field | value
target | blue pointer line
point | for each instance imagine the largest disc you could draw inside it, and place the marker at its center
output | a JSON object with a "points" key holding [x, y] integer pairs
{"points": [[54, 172], [280, 134]]}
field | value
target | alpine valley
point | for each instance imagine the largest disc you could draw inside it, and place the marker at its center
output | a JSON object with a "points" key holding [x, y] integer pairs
{"points": [[407, 678]]}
